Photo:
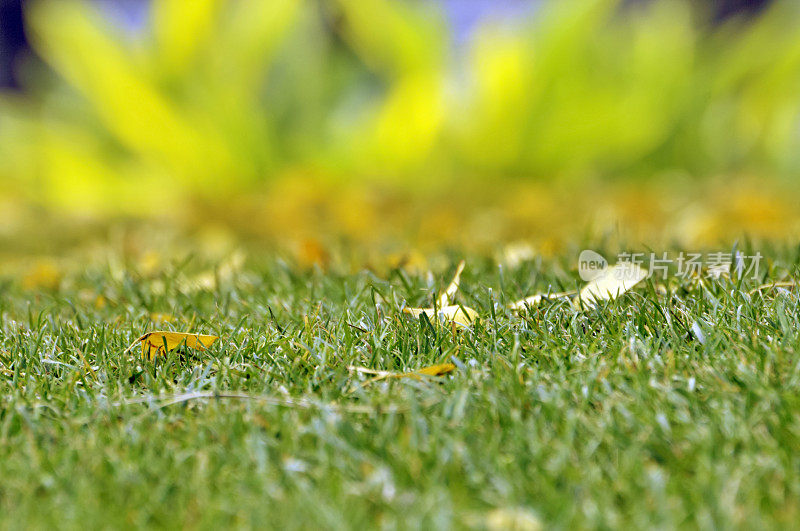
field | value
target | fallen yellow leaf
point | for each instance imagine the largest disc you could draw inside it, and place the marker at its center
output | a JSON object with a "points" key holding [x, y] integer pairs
{"points": [[160, 342], [445, 310], [433, 370], [611, 283], [446, 298], [773, 285]]}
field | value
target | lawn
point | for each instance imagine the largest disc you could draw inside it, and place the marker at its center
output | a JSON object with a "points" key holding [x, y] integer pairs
{"points": [[675, 405]]}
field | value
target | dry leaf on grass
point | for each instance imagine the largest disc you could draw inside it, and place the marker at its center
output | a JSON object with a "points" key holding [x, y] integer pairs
{"points": [[611, 283], [773, 285], [433, 370], [445, 310], [446, 298], [158, 343]]}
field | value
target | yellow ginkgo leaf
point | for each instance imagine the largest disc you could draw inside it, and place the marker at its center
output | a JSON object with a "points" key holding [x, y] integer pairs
{"points": [[432, 370], [160, 342], [446, 298], [611, 283], [445, 310], [773, 285], [533, 300], [461, 315]]}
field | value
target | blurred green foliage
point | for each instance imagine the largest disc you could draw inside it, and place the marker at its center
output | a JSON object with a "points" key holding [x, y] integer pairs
{"points": [[214, 99]]}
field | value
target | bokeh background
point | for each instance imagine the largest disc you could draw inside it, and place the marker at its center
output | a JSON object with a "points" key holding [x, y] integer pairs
{"points": [[398, 123]]}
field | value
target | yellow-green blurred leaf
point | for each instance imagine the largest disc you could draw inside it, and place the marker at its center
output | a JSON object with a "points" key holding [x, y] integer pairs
{"points": [[181, 28], [432, 370], [43, 274]]}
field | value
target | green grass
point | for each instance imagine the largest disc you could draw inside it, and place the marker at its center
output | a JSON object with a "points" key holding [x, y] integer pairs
{"points": [[611, 417]]}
